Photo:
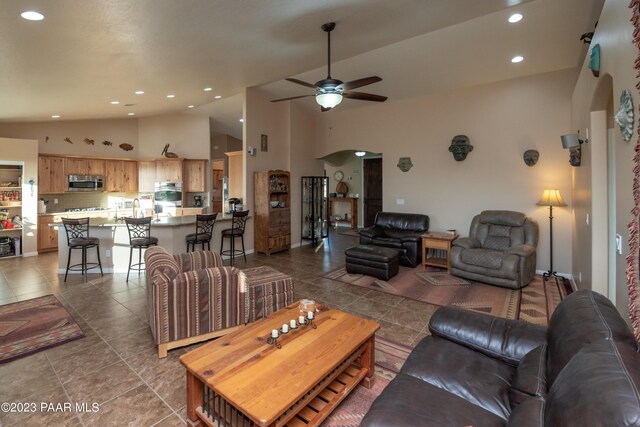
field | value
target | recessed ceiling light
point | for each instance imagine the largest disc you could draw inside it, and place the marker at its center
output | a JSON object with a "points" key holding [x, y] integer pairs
{"points": [[139, 92], [208, 89], [516, 17], [55, 116], [31, 15], [190, 106], [131, 114], [517, 59], [217, 97], [171, 96], [115, 102], [241, 120]]}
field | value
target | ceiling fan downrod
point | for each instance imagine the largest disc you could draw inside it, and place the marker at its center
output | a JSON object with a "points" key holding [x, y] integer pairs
{"points": [[328, 27]]}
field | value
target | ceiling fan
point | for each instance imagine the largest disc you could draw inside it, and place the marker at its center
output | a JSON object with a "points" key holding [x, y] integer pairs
{"points": [[329, 91]]}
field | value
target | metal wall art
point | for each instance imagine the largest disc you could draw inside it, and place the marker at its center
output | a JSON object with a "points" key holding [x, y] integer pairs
{"points": [[575, 156], [624, 116], [460, 147], [594, 60], [404, 164], [531, 157]]}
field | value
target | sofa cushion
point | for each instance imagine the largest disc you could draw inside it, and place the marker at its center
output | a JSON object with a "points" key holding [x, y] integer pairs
{"points": [[510, 218], [530, 379], [482, 258], [474, 377], [410, 402], [402, 221], [582, 318], [597, 387], [528, 414]]}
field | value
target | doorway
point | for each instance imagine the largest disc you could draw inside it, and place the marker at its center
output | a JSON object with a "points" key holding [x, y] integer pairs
{"points": [[372, 189]]}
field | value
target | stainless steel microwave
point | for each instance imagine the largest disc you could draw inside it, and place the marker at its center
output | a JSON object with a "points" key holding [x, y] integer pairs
{"points": [[85, 183], [168, 194]]}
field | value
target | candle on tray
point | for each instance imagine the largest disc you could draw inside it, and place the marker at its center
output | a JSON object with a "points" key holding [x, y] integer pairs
{"points": [[274, 333], [293, 324], [310, 315], [301, 320], [285, 328]]}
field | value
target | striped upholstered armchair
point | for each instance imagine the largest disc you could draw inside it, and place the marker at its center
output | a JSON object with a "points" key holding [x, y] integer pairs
{"points": [[192, 297]]}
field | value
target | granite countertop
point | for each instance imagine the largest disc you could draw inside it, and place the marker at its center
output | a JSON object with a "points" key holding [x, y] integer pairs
{"points": [[174, 221], [104, 211]]}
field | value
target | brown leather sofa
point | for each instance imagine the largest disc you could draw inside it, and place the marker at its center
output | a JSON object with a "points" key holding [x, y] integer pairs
{"points": [[401, 231], [479, 370]]}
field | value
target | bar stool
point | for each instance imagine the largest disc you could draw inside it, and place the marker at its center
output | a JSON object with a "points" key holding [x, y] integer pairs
{"points": [[77, 230], [238, 223], [204, 229], [139, 238]]}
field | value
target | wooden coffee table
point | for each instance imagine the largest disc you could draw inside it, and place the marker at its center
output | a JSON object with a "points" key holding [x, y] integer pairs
{"points": [[241, 380]]}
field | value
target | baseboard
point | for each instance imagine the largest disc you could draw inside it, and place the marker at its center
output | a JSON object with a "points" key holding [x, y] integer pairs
{"points": [[28, 254]]}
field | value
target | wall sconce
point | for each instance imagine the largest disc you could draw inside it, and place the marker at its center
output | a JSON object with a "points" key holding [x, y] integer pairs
{"points": [[573, 142]]}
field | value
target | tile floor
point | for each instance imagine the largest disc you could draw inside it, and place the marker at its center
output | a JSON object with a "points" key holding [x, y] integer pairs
{"points": [[116, 364]]}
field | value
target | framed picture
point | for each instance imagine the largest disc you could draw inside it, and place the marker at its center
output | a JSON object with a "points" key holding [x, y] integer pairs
{"points": [[264, 142]]}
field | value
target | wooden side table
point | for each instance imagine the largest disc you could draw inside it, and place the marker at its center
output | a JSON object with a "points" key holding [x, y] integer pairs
{"points": [[436, 248]]}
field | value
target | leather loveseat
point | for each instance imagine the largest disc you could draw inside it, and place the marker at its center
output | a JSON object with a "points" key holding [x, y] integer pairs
{"points": [[401, 231], [500, 249], [475, 369]]}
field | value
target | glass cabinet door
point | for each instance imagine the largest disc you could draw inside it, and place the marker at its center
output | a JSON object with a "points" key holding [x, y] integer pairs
{"points": [[314, 208]]}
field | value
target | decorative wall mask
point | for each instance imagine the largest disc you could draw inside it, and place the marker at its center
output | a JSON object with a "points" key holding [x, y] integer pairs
{"points": [[460, 147], [594, 60], [531, 157], [46, 139], [624, 116], [575, 156], [404, 164]]}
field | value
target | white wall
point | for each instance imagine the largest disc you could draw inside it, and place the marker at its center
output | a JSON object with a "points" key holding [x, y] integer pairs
{"points": [[502, 120]]}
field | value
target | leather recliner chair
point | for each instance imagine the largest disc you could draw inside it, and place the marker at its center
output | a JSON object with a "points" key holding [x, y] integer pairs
{"points": [[401, 231], [500, 249]]}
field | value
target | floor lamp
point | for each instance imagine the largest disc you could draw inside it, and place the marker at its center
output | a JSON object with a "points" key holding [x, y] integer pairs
{"points": [[551, 198]]}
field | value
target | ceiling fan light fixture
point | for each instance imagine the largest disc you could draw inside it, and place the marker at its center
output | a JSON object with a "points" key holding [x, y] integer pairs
{"points": [[360, 153], [328, 100]]}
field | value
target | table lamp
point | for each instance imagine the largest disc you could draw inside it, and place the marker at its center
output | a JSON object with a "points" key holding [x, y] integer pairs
{"points": [[551, 198]]}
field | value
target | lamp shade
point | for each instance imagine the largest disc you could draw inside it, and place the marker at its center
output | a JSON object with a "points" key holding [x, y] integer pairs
{"points": [[570, 141], [328, 100], [551, 197]]}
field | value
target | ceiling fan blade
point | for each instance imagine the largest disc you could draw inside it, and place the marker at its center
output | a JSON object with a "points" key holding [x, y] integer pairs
{"points": [[300, 82], [290, 98], [364, 96], [353, 84]]}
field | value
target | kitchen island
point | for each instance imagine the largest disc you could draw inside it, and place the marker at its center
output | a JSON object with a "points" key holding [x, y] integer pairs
{"points": [[114, 240]]}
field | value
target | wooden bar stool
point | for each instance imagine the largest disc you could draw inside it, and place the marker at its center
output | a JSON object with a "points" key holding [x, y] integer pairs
{"points": [[204, 229], [139, 238], [238, 222], [77, 230]]}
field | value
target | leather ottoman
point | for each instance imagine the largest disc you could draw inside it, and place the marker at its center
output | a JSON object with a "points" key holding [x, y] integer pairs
{"points": [[376, 261]]}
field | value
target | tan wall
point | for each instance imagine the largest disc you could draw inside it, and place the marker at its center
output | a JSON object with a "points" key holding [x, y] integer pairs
{"points": [[187, 134], [614, 34], [502, 121], [21, 150]]}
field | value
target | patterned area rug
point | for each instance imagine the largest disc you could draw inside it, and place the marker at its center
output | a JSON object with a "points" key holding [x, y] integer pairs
{"points": [[389, 359], [34, 325], [534, 303]]}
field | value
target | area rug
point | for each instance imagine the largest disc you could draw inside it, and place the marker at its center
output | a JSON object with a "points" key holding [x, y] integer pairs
{"points": [[534, 303], [34, 325], [389, 359]]}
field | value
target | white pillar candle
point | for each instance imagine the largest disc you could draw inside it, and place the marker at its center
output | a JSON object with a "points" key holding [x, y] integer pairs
{"points": [[293, 323], [274, 333], [285, 328], [301, 320], [310, 315]]}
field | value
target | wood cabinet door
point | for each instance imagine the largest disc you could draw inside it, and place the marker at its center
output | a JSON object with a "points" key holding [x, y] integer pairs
{"points": [[76, 167], [113, 181], [47, 236], [169, 171], [146, 176], [129, 177], [194, 175], [44, 175], [59, 181], [95, 167]]}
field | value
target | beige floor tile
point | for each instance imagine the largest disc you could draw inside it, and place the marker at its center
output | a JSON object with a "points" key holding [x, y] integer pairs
{"points": [[103, 384]]}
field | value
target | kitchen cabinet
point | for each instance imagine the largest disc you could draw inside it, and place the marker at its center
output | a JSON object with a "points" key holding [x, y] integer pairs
{"points": [[235, 175], [121, 176], [272, 229], [146, 176], [169, 170], [94, 167], [216, 189], [51, 177], [194, 176], [315, 192], [47, 236]]}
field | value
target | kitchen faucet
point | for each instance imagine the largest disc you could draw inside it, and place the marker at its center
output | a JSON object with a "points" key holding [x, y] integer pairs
{"points": [[135, 201]]}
